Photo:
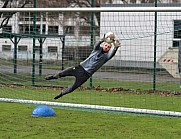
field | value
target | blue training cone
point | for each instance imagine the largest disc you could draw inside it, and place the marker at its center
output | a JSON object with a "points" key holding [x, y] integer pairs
{"points": [[43, 111]]}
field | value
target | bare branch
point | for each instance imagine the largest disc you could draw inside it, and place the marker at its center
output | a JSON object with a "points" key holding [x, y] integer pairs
{"points": [[9, 15]]}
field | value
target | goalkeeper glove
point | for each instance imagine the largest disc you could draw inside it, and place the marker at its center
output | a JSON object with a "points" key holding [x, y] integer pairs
{"points": [[108, 37], [117, 43]]}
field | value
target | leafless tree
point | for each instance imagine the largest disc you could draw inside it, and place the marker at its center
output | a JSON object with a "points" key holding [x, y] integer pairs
{"points": [[10, 4]]}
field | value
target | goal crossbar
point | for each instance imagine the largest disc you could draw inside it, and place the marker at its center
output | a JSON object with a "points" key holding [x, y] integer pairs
{"points": [[100, 9]]}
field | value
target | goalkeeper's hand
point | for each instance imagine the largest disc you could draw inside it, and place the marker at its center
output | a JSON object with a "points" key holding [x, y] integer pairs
{"points": [[117, 43], [103, 38]]}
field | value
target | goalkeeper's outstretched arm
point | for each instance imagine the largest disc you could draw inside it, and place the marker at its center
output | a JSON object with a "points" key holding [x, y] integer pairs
{"points": [[97, 44]]}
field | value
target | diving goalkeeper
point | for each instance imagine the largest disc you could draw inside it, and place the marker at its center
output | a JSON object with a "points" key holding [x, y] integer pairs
{"points": [[101, 53]]}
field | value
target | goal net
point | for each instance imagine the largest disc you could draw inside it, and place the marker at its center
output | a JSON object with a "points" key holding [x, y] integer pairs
{"points": [[142, 77]]}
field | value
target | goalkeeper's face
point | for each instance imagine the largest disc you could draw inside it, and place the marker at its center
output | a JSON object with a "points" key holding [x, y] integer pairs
{"points": [[106, 47]]}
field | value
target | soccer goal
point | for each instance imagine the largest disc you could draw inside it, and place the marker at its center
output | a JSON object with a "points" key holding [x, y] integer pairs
{"points": [[143, 76]]}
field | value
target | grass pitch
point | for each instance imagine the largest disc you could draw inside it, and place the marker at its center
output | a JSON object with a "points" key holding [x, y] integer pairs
{"points": [[17, 123]]}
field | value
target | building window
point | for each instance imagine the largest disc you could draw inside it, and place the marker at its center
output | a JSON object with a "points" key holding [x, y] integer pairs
{"points": [[7, 29], [6, 48], [29, 16], [68, 30], [22, 48], [177, 33], [28, 29], [176, 43], [52, 49], [84, 30], [53, 30]]}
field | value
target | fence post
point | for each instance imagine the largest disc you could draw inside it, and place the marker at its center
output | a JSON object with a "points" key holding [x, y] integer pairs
{"points": [[92, 35], [15, 54], [34, 43], [179, 61], [155, 43]]}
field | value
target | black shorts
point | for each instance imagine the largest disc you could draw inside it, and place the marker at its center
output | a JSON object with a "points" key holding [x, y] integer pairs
{"points": [[81, 76]]}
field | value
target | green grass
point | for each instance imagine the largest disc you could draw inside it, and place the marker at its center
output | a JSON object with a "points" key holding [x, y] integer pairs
{"points": [[17, 123], [132, 100]]}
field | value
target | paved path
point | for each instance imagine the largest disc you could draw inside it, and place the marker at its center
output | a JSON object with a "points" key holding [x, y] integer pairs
{"points": [[100, 75]]}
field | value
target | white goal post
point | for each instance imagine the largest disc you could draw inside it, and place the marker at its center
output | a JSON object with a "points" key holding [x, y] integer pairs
{"points": [[95, 107], [102, 9]]}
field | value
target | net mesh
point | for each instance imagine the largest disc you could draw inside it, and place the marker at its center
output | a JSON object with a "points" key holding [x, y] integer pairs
{"points": [[143, 74]]}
